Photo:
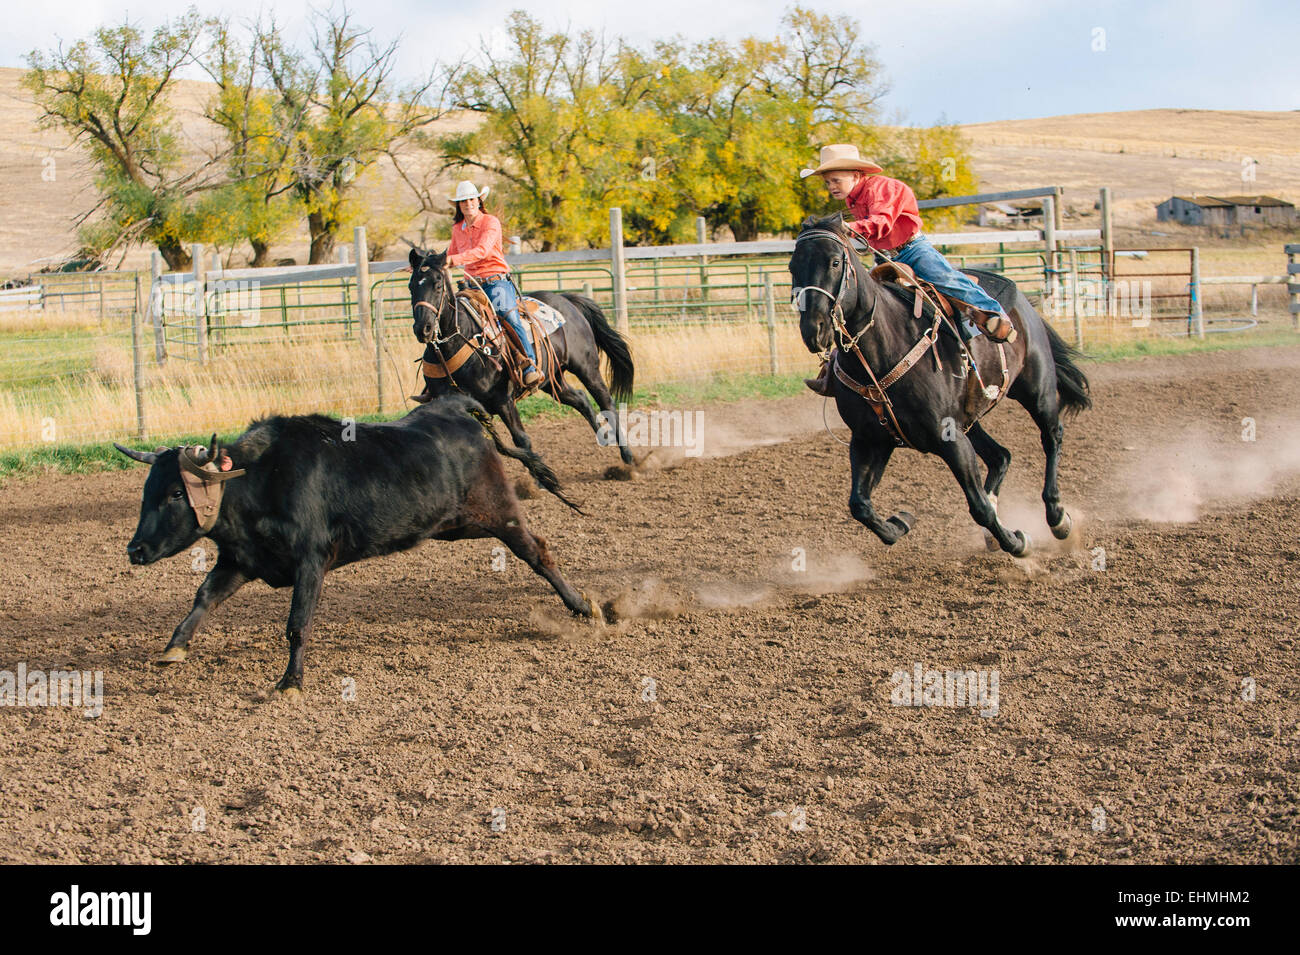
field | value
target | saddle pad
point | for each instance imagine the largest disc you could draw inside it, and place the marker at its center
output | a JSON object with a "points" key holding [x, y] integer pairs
{"points": [[546, 316]]}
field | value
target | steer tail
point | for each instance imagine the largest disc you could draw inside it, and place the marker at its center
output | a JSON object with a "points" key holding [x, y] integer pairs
{"points": [[1071, 383], [538, 468], [611, 343]]}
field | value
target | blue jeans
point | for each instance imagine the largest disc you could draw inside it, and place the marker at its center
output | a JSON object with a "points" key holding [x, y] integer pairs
{"points": [[505, 301], [928, 263]]}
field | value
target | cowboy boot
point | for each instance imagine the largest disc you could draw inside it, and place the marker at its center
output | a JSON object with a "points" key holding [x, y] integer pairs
{"points": [[821, 385], [999, 328], [425, 396]]}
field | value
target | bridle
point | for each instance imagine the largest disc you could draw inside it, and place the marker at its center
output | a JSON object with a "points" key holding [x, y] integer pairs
{"points": [[848, 279], [436, 341], [876, 393]]}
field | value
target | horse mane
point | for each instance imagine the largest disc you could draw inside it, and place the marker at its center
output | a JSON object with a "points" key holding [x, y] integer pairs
{"points": [[831, 223]]}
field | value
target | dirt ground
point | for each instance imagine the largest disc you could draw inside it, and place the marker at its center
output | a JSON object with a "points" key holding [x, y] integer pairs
{"points": [[740, 708]]}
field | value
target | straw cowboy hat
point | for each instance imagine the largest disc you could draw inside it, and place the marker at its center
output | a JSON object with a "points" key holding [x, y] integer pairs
{"points": [[467, 190], [840, 156]]}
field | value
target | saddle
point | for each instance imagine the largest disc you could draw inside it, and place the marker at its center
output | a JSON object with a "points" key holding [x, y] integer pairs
{"points": [[901, 275], [540, 321]]}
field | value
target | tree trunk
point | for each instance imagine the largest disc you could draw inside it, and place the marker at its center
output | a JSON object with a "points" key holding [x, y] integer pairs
{"points": [[261, 253], [175, 255], [322, 230]]}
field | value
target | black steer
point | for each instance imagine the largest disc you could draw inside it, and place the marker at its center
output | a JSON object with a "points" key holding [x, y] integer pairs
{"points": [[318, 494]]}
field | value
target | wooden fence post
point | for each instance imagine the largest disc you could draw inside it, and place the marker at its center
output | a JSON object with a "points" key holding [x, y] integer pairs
{"points": [[769, 300], [365, 320], [200, 303], [1293, 285], [1074, 299], [1107, 237], [701, 236], [1049, 236], [1197, 316], [155, 308], [619, 269], [137, 363]]}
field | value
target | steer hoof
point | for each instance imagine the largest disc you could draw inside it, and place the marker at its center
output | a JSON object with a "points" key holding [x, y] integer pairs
{"points": [[1026, 545], [171, 655], [1062, 530]]}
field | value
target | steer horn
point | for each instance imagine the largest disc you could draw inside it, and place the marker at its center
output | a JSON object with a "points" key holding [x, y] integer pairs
{"points": [[210, 455], [144, 457]]}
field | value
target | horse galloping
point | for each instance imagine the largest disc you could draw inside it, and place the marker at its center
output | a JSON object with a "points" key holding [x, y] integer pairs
{"points": [[901, 379], [447, 325]]}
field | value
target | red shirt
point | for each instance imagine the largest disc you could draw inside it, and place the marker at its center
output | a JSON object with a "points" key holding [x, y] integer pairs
{"points": [[477, 248], [886, 212]]}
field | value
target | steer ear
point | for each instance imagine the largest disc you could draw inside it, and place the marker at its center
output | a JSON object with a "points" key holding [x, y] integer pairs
{"points": [[416, 257], [144, 457]]}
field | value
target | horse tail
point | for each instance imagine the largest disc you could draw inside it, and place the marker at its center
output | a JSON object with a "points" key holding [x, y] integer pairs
{"points": [[1071, 383], [614, 345], [538, 468]]}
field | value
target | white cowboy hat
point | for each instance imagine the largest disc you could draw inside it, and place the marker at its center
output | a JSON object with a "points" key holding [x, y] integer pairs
{"points": [[467, 190], [840, 156]]}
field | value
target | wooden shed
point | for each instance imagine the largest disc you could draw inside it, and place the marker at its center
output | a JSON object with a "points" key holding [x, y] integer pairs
{"points": [[1227, 211]]}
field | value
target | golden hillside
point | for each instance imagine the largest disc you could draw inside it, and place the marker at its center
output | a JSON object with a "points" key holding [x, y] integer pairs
{"points": [[1144, 156]]}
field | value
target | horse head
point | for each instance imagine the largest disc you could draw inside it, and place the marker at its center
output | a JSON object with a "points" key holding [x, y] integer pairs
{"points": [[826, 279], [431, 292]]}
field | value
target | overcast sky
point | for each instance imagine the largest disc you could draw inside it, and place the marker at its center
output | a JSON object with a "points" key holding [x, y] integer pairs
{"points": [[966, 61]]}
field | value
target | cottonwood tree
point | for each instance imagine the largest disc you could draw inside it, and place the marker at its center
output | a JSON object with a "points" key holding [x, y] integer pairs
{"points": [[112, 93], [257, 202], [558, 126], [352, 111]]}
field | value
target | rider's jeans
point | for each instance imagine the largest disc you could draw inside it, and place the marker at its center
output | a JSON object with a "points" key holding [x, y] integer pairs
{"points": [[505, 301], [929, 263]]}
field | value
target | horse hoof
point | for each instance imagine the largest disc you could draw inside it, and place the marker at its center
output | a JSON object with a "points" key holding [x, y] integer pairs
{"points": [[903, 521], [291, 693], [171, 655], [1026, 545], [594, 613], [1062, 530]]}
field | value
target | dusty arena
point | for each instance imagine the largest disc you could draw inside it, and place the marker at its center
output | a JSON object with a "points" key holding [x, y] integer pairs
{"points": [[740, 704]]}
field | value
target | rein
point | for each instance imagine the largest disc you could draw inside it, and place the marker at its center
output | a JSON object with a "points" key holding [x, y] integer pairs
{"points": [[436, 341], [876, 394]]}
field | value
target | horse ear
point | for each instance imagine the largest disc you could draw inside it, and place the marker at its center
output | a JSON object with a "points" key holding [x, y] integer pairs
{"points": [[440, 257], [416, 257]]}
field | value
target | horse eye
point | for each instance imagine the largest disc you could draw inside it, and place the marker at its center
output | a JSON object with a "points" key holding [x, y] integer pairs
{"points": [[178, 494], [835, 264]]}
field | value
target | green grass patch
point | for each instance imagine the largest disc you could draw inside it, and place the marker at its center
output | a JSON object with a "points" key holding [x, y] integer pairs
{"points": [[1219, 341]]}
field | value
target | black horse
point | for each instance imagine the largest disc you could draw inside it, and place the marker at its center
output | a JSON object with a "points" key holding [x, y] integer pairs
{"points": [[446, 324], [893, 388]]}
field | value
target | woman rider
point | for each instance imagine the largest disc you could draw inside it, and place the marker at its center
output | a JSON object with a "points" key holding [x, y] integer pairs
{"points": [[476, 248]]}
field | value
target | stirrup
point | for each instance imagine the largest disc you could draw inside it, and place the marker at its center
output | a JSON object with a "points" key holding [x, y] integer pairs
{"points": [[533, 378]]}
